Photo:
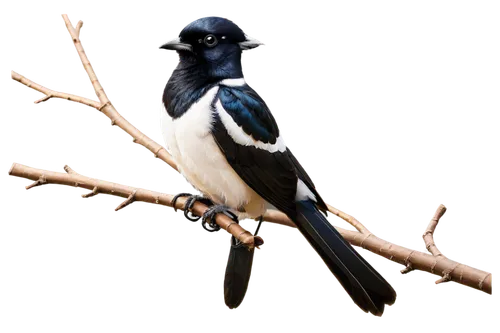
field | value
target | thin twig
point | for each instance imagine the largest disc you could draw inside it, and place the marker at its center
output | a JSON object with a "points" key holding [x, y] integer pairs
{"points": [[428, 235], [430, 245], [108, 109]]}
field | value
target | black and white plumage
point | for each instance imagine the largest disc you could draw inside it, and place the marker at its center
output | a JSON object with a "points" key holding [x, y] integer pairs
{"points": [[228, 146]]}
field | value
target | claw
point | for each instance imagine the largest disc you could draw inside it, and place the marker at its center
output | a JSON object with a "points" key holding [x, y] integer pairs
{"points": [[190, 201], [178, 195], [208, 220]]}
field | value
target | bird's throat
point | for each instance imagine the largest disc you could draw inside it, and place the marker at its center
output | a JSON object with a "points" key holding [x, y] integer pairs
{"points": [[194, 77]]}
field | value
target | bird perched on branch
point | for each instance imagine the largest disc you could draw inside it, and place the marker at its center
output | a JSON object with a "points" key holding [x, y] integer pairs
{"points": [[227, 144]]}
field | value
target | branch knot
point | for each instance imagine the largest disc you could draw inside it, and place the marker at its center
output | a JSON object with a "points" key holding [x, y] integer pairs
{"points": [[366, 237], [158, 151], [108, 103], [408, 264]]}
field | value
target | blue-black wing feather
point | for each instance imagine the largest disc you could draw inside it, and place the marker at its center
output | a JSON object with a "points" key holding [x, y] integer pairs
{"points": [[250, 112], [272, 175]]}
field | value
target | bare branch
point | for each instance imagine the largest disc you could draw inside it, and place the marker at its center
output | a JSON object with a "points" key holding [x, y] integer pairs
{"points": [[109, 110], [52, 93], [349, 219], [430, 245], [74, 33], [412, 259], [104, 105], [72, 178]]}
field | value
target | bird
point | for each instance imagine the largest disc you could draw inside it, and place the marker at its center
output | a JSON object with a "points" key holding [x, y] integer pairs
{"points": [[228, 146]]}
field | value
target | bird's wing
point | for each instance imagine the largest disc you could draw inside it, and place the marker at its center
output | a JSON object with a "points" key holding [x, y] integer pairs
{"points": [[248, 135]]}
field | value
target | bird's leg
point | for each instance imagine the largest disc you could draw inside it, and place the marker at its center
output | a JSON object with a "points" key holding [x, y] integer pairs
{"points": [[257, 230], [259, 226], [190, 203], [236, 243], [208, 219]]}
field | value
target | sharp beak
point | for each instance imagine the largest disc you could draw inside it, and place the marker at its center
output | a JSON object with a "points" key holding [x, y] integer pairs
{"points": [[249, 43], [176, 44]]}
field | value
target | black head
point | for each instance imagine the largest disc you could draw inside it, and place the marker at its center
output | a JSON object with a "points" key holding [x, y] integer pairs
{"points": [[211, 39]]}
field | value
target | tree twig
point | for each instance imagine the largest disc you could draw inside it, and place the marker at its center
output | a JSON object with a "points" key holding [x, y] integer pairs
{"points": [[46, 92], [75, 35], [448, 269], [107, 108], [428, 235], [430, 245]]}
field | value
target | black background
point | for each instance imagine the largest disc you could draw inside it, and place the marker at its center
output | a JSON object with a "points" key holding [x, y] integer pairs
{"points": [[383, 104]]}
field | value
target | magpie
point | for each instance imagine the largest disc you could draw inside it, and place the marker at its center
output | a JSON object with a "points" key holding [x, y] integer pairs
{"points": [[227, 144]]}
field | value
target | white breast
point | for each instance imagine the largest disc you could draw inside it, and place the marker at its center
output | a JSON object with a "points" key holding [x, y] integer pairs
{"points": [[200, 160]]}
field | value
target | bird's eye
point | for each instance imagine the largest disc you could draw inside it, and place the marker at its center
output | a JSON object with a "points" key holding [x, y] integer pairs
{"points": [[210, 40]]}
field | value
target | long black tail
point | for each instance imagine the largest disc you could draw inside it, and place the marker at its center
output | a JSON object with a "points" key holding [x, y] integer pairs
{"points": [[237, 274], [367, 288]]}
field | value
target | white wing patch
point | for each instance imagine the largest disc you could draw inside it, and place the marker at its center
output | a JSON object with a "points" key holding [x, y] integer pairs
{"points": [[303, 192], [233, 82], [239, 136]]}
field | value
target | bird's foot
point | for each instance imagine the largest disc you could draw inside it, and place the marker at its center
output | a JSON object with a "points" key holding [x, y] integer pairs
{"points": [[190, 203], [208, 219]]}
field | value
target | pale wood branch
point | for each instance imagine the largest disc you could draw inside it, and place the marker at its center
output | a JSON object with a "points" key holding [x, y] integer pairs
{"points": [[108, 109], [448, 269], [72, 178], [52, 93], [430, 244], [75, 35]]}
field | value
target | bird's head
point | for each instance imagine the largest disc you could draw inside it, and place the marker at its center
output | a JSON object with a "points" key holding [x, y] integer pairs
{"points": [[211, 40]]}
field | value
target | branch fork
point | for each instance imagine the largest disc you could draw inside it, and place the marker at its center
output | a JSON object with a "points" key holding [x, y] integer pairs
{"points": [[130, 199], [40, 181], [43, 99]]}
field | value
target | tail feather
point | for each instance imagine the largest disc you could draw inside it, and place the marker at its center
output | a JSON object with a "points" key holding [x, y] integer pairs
{"points": [[367, 288], [238, 270]]}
